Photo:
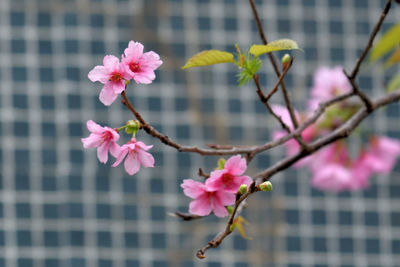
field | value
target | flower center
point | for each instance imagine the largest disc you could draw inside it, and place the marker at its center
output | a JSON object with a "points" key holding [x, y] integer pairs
{"points": [[134, 66], [106, 136], [116, 77], [227, 178]]}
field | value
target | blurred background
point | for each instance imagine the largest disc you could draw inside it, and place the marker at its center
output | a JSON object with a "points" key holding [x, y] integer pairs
{"points": [[60, 207]]}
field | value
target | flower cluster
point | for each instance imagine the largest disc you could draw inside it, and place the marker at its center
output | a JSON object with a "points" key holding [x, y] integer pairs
{"points": [[332, 167], [115, 75], [218, 190], [105, 138]]}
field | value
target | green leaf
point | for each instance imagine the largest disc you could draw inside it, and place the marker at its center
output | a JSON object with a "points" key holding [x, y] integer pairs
{"points": [[394, 58], [209, 57], [394, 84], [281, 44], [387, 42], [238, 224]]}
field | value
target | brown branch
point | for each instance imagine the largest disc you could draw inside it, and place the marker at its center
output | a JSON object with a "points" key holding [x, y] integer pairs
{"points": [[234, 150], [274, 65], [342, 132]]}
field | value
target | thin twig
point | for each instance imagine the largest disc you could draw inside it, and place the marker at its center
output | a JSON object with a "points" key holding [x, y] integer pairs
{"points": [[272, 59], [267, 105], [352, 78]]}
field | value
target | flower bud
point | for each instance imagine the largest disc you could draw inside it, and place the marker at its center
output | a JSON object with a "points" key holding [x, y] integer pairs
{"points": [[132, 127], [266, 186], [243, 189], [221, 164], [285, 61]]}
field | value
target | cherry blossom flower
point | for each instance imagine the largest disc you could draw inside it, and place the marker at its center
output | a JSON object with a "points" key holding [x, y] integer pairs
{"points": [[113, 75], [140, 66], [136, 155], [381, 154], [230, 178], [103, 138], [207, 200], [328, 83]]}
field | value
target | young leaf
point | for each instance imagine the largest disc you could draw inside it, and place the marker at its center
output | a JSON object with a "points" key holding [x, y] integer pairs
{"points": [[209, 57], [394, 83], [394, 58], [388, 41], [238, 223], [282, 44]]}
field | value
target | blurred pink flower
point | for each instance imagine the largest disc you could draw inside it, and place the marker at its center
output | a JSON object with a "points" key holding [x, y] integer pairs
{"points": [[381, 154], [140, 66], [136, 155], [113, 75], [103, 138], [333, 170], [331, 177], [206, 200], [328, 83], [230, 178]]}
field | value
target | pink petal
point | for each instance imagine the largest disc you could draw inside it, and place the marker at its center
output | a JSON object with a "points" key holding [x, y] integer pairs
{"points": [[143, 145], [200, 206], [131, 164], [98, 73], [93, 140], [218, 208], [115, 149], [134, 50], [150, 60], [102, 152], [244, 180], [107, 95], [121, 156], [144, 78], [215, 182], [236, 165], [192, 189], [110, 61], [94, 127], [118, 87], [145, 158], [225, 198]]}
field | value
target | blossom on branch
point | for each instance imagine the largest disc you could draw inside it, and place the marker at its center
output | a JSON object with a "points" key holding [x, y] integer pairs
{"points": [[207, 200], [328, 83], [134, 153], [381, 155], [140, 66], [103, 138], [113, 75], [230, 178]]}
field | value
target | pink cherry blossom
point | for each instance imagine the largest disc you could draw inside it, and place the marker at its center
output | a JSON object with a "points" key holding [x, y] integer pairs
{"points": [[113, 75], [140, 66], [328, 82], [333, 170], [207, 200], [103, 138], [230, 178], [136, 155], [381, 154], [284, 114], [331, 177]]}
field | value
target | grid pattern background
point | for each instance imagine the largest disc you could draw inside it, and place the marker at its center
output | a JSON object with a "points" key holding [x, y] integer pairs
{"points": [[60, 207]]}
